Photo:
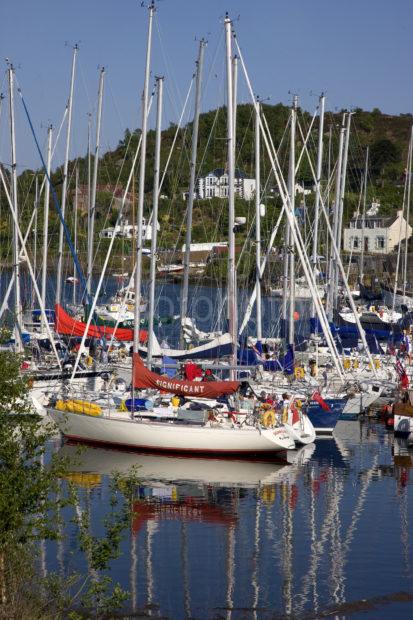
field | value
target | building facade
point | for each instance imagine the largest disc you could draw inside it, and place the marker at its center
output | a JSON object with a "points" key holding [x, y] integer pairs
{"points": [[128, 231], [215, 185], [381, 234]]}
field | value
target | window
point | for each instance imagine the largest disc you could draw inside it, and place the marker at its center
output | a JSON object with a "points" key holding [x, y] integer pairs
{"points": [[355, 243], [380, 243]]}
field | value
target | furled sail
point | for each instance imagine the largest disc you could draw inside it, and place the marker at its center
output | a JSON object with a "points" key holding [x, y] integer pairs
{"points": [[67, 325], [145, 378]]}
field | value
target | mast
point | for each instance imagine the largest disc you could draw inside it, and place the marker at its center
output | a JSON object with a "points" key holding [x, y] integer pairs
{"points": [[138, 270], [341, 203], [286, 262], [89, 161], [232, 310], [65, 178], [332, 264], [328, 197], [75, 231], [1, 110], [46, 213], [36, 213], [16, 249], [406, 235], [258, 223], [363, 218], [92, 206], [291, 191], [286, 257], [234, 101], [187, 255], [318, 192], [152, 277]]}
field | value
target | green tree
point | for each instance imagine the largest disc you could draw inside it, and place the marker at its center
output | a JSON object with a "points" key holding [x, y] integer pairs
{"points": [[382, 152], [31, 499]]}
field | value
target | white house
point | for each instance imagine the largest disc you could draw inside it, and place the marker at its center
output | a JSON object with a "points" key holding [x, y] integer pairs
{"points": [[206, 247], [215, 185], [127, 231], [381, 233]]}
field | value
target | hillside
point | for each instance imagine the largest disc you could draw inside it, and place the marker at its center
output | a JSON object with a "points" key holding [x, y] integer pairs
{"points": [[387, 137]]}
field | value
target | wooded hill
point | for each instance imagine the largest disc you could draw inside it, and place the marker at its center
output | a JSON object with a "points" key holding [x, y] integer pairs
{"points": [[386, 135]]}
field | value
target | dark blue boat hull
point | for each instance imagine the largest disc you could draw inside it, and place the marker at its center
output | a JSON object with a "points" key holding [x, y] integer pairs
{"points": [[324, 421]]}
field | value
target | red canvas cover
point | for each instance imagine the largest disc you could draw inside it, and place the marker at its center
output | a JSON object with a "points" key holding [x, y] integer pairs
{"points": [[144, 378], [67, 325]]}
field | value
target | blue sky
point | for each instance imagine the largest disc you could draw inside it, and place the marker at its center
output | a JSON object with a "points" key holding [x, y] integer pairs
{"points": [[358, 51]]}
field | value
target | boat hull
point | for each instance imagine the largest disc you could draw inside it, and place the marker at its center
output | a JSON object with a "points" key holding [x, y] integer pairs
{"points": [[302, 431], [324, 421], [358, 404], [399, 299], [403, 426], [169, 437]]}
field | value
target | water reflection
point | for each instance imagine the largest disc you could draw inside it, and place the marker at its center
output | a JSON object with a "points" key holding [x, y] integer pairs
{"points": [[244, 539]]}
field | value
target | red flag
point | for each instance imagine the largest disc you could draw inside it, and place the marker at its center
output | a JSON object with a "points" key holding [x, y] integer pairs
{"points": [[317, 397], [295, 416], [403, 378]]}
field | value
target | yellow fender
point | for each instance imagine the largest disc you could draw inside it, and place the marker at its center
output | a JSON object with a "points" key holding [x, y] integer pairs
{"points": [[79, 406], [268, 418], [299, 372]]}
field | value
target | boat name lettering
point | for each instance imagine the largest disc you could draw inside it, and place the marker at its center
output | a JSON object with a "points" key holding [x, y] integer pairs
{"points": [[189, 389]]}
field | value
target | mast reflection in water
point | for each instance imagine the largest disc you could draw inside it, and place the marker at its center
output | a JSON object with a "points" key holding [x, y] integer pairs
{"points": [[240, 539]]}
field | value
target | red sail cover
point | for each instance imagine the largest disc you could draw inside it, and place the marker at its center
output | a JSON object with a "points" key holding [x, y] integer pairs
{"points": [[66, 324], [144, 378]]}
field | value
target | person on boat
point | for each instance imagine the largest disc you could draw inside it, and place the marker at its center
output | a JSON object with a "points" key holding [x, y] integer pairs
{"points": [[92, 347], [262, 397], [285, 404], [122, 350], [104, 356], [391, 349], [270, 400], [208, 376]]}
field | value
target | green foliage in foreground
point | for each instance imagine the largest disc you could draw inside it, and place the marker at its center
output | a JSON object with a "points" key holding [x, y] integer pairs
{"points": [[31, 499]]}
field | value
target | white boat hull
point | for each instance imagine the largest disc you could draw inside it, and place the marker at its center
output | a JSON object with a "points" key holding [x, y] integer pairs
{"points": [[164, 436], [303, 431], [301, 292], [359, 403]]}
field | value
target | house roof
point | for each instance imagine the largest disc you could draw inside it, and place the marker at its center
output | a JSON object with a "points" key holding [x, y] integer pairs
{"points": [[218, 172], [386, 221]]}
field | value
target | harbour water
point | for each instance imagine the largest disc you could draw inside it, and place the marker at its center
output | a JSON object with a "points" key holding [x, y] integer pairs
{"points": [[207, 305], [324, 536]]}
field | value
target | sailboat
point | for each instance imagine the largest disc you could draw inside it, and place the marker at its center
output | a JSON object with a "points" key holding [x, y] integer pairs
{"points": [[170, 428]]}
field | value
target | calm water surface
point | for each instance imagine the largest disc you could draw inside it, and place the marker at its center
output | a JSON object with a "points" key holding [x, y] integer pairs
{"points": [[229, 539], [207, 305]]}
